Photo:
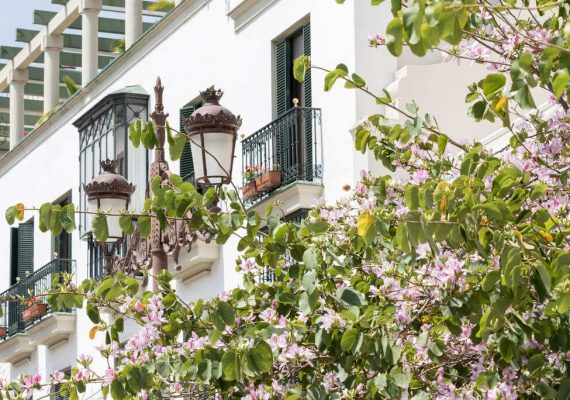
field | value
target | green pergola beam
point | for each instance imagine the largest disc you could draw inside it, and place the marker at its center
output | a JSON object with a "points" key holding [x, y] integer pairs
{"points": [[29, 105], [109, 3], [106, 25], [68, 59], [70, 41], [37, 89], [29, 120], [37, 74]]}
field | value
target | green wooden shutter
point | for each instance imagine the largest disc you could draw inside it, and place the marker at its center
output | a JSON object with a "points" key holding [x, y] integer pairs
{"points": [[307, 52], [186, 163], [283, 77], [25, 249], [308, 103]]}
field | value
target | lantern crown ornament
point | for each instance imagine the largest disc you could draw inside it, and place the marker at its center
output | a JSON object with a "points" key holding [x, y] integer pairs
{"points": [[110, 192], [212, 131], [109, 183]]}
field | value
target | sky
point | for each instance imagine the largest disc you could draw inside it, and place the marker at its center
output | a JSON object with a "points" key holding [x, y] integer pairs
{"points": [[20, 14]]}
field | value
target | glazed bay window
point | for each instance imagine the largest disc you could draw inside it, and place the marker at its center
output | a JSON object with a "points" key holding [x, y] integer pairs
{"points": [[103, 132], [288, 149]]}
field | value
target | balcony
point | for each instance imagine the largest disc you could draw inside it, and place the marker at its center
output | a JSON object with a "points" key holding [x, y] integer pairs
{"points": [[287, 155], [22, 326]]}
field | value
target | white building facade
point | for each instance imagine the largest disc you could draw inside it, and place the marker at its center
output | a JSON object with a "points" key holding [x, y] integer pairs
{"points": [[246, 48]]}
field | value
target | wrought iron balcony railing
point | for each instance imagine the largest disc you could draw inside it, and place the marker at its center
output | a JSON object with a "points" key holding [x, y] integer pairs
{"points": [[290, 145], [37, 283]]}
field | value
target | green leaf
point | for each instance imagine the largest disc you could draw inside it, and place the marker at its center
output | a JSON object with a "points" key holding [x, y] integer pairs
{"points": [[394, 36], [227, 313], [310, 258], [349, 339], [148, 137], [135, 129], [262, 356], [68, 217], [400, 378], [538, 191], [45, 216], [300, 67], [100, 228], [351, 297], [490, 280], [559, 84], [535, 362], [117, 390], [441, 144], [70, 85], [176, 143], [229, 364], [126, 223], [492, 85], [11, 215], [521, 93], [144, 225], [563, 303], [55, 221]]}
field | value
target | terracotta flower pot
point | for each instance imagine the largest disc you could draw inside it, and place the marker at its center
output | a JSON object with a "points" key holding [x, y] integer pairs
{"points": [[269, 180], [3, 331], [249, 190], [35, 311]]}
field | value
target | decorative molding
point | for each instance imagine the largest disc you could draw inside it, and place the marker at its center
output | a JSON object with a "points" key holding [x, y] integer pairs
{"points": [[16, 348], [52, 330], [195, 262], [247, 11], [293, 197]]}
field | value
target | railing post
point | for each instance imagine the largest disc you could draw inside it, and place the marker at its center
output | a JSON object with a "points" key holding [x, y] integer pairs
{"points": [[133, 21]]}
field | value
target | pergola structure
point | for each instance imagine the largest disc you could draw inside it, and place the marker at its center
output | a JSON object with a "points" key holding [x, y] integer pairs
{"points": [[77, 42]]}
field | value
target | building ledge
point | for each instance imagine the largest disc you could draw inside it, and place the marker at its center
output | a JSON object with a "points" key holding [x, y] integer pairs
{"points": [[53, 329], [247, 10], [16, 348], [196, 262], [290, 198]]}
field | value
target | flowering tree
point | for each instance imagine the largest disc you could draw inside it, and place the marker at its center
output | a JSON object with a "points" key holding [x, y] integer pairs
{"points": [[452, 285]]}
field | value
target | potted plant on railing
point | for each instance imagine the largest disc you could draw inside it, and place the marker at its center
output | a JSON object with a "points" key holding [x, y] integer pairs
{"points": [[250, 174], [35, 309], [269, 179]]}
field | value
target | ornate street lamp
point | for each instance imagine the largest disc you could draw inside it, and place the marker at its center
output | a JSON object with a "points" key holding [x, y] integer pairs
{"points": [[212, 130], [111, 193]]}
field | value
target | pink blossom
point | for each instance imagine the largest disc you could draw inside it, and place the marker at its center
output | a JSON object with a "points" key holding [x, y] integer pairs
{"points": [[420, 176], [32, 381], [248, 265], [109, 376], [143, 394], [376, 40], [401, 211], [83, 374], [57, 376]]}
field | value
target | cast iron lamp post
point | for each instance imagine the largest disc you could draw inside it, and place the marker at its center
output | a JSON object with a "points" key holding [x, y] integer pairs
{"points": [[212, 130]]}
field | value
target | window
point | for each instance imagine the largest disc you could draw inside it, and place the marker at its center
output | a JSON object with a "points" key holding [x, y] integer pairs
{"points": [[61, 244], [103, 134], [286, 87], [186, 163], [22, 251]]}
